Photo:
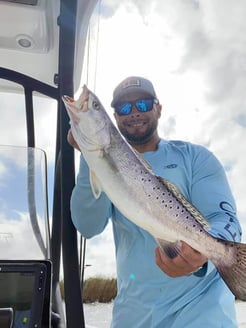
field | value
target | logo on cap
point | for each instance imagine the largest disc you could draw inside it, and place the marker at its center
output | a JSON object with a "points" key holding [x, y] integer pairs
{"points": [[131, 83]]}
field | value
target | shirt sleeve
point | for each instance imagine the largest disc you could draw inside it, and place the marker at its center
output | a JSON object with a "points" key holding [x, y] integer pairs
{"points": [[89, 215], [211, 194]]}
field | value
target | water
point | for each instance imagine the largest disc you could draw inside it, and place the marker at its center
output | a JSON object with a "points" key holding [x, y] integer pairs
{"points": [[98, 315], [241, 314]]}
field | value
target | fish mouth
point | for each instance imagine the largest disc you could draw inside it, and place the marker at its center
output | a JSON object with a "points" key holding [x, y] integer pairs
{"points": [[67, 99]]}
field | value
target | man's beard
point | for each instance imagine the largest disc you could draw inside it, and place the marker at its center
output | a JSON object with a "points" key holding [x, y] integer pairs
{"points": [[138, 139]]}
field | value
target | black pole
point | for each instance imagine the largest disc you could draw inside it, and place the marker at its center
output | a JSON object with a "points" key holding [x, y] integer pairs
{"points": [[29, 118], [73, 297]]}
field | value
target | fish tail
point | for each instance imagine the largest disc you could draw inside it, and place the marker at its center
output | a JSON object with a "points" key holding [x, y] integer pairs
{"points": [[233, 268]]}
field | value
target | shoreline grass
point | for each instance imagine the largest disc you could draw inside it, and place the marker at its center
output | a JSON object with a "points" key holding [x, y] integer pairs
{"points": [[97, 289]]}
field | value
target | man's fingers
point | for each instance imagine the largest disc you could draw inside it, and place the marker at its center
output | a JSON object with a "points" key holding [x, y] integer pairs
{"points": [[166, 264], [187, 262], [192, 257]]}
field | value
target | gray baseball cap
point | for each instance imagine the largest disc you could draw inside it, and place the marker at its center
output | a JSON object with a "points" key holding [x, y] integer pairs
{"points": [[130, 85]]}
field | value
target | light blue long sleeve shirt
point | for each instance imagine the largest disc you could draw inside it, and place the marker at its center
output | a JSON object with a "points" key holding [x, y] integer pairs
{"points": [[147, 297]]}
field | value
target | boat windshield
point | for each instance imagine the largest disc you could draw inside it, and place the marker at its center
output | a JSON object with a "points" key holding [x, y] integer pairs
{"points": [[24, 229]]}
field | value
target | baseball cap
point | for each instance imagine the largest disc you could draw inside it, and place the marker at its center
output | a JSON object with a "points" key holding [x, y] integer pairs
{"points": [[130, 85]]}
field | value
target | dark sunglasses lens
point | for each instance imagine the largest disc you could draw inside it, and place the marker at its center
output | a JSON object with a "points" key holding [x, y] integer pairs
{"points": [[144, 105], [124, 109]]}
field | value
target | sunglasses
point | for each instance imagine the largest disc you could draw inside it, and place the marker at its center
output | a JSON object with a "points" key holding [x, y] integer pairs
{"points": [[142, 105]]}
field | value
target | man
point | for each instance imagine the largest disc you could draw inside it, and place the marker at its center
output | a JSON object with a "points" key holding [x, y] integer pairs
{"points": [[154, 290]]}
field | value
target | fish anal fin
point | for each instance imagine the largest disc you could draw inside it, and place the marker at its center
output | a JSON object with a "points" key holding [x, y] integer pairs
{"points": [[171, 249]]}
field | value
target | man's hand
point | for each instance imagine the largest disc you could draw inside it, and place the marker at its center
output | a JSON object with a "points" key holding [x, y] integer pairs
{"points": [[71, 140], [189, 261]]}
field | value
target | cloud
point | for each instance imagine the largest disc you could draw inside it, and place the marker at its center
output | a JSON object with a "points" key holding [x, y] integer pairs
{"points": [[17, 240], [13, 122], [194, 52], [241, 120], [100, 255]]}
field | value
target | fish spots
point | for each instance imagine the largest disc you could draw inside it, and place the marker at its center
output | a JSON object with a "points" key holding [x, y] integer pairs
{"points": [[144, 176], [132, 276]]}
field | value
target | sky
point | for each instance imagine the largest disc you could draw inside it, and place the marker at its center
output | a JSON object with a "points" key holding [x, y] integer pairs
{"points": [[194, 53]]}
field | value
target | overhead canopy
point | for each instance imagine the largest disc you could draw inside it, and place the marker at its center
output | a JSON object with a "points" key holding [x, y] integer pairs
{"points": [[29, 39]]}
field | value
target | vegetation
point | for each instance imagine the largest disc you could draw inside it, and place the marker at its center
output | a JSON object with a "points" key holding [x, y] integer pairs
{"points": [[97, 289]]}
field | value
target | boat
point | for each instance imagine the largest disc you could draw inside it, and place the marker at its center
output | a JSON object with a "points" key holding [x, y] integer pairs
{"points": [[42, 47]]}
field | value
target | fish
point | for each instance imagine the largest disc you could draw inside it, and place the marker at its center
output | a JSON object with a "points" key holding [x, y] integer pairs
{"points": [[151, 202]]}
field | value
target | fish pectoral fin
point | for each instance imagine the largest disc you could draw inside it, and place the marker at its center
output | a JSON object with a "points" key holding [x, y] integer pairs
{"points": [[95, 185], [171, 249]]}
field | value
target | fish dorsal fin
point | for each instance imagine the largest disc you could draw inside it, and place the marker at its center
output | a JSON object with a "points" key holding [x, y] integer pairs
{"points": [[95, 185], [189, 207], [142, 160]]}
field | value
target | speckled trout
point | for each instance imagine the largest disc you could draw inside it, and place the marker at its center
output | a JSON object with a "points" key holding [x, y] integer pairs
{"points": [[153, 203]]}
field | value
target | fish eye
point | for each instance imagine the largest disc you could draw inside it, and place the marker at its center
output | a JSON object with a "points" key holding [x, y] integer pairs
{"points": [[95, 105]]}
